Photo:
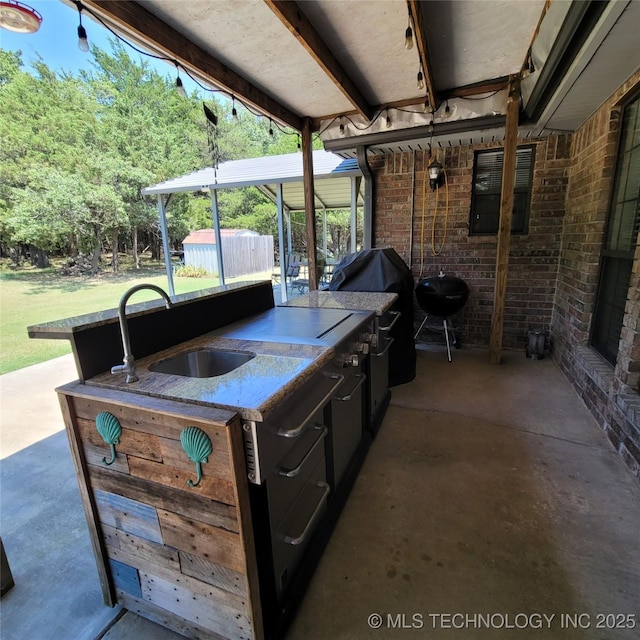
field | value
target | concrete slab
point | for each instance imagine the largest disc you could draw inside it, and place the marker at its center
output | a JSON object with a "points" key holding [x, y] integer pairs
{"points": [[490, 494], [57, 591]]}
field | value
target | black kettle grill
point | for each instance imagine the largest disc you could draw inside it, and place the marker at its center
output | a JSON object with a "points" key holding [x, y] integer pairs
{"points": [[441, 296]]}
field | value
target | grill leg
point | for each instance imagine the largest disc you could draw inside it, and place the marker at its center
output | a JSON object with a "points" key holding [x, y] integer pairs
{"points": [[421, 327], [446, 336]]}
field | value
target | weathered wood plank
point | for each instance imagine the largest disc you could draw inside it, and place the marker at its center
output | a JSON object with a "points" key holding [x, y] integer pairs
{"points": [[128, 515], [186, 597], [161, 417], [165, 618], [140, 552], [201, 539], [210, 486], [95, 454], [141, 445], [173, 455], [212, 573], [189, 505], [125, 577], [67, 406]]}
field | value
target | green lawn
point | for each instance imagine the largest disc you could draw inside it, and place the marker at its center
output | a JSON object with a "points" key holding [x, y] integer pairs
{"points": [[33, 296]]}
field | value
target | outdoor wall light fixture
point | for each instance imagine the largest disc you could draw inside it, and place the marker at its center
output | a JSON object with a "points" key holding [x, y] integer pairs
{"points": [[436, 174], [18, 17]]}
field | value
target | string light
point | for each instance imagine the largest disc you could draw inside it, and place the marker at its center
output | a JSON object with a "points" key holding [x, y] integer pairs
{"points": [[447, 111], [179, 86], [341, 125], [388, 121], [299, 144], [84, 46], [427, 104], [408, 35], [420, 80], [234, 111], [83, 43]]}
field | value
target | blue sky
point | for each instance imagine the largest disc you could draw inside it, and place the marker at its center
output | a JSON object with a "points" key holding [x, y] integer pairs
{"points": [[57, 41]]}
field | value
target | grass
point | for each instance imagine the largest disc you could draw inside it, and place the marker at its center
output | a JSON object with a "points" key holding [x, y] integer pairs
{"points": [[33, 296]]}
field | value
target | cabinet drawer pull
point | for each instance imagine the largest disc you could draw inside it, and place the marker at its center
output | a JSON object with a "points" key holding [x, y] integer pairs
{"points": [[396, 315], [314, 516], [292, 473], [361, 378], [297, 430], [381, 353]]}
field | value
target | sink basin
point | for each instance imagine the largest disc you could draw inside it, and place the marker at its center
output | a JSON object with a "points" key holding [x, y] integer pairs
{"points": [[202, 363]]}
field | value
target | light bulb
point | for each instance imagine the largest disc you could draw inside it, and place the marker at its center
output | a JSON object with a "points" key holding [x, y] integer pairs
{"points": [[447, 111], [408, 38], [83, 43], [388, 121], [341, 127], [271, 128], [420, 81], [234, 111], [180, 88], [427, 105]]}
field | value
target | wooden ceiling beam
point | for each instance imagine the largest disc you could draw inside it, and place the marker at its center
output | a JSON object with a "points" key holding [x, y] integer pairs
{"points": [[420, 34], [134, 20], [304, 32]]}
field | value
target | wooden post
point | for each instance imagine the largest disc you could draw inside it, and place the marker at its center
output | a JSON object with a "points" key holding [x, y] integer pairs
{"points": [[309, 202], [506, 215]]}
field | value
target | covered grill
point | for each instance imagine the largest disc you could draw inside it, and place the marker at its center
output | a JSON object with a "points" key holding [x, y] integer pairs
{"points": [[441, 296]]}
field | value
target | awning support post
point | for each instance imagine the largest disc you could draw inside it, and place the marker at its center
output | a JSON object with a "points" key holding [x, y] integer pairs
{"points": [[283, 262], [504, 227], [165, 245], [216, 226], [309, 202]]}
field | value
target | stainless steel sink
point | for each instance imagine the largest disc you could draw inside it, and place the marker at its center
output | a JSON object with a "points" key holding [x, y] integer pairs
{"points": [[202, 363]]}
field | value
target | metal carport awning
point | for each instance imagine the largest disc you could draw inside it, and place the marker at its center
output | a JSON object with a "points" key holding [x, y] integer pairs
{"points": [[337, 183]]}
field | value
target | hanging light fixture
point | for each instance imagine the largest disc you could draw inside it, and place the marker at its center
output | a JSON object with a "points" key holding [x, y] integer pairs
{"points": [[83, 43], [388, 120], [435, 174], [408, 35], [427, 103], [341, 125], [179, 86], [234, 111], [271, 127], [18, 17], [420, 79]]}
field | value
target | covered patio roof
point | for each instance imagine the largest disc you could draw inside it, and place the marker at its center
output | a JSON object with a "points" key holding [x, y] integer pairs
{"points": [[333, 179]]}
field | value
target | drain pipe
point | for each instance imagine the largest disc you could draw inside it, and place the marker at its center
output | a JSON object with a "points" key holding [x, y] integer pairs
{"points": [[369, 185]]}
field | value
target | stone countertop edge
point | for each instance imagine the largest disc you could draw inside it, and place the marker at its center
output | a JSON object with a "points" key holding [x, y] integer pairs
{"points": [[91, 320], [380, 302], [267, 392]]}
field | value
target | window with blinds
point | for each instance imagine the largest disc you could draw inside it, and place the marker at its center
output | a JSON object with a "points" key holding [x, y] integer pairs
{"points": [[621, 239], [487, 184]]}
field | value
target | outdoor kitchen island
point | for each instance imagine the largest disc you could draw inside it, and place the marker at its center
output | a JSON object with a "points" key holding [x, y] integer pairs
{"points": [[210, 498]]}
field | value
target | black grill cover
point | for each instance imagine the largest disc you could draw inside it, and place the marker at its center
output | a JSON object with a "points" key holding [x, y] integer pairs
{"points": [[384, 271]]}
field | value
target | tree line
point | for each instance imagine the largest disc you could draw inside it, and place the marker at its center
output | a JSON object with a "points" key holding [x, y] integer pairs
{"points": [[76, 151]]}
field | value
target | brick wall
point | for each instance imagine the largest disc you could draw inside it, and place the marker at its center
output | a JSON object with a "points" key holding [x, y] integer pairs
{"points": [[533, 261], [610, 393]]}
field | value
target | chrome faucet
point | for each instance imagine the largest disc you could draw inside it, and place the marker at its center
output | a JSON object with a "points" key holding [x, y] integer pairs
{"points": [[129, 363]]}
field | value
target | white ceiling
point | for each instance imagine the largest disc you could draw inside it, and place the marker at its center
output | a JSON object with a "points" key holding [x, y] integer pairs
{"points": [[468, 42]]}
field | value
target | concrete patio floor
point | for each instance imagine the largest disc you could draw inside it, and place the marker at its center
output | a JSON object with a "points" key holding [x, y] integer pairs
{"points": [[489, 491]]}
